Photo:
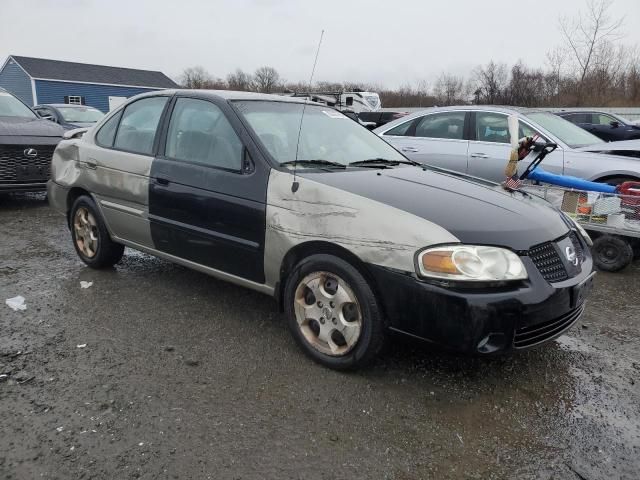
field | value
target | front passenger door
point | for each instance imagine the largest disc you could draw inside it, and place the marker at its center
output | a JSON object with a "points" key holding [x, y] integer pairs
{"points": [[207, 197], [490, 147]]}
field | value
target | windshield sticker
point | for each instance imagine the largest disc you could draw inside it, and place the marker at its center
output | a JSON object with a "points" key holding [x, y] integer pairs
{"points": [[333, 114]]}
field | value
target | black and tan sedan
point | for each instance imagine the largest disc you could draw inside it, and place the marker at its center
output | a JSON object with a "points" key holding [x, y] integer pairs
{"points": [[353, 240]]}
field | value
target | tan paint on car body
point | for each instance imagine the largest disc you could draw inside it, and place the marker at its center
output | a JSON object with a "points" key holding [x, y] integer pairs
{"points": [[376, 233], [117, 180]]}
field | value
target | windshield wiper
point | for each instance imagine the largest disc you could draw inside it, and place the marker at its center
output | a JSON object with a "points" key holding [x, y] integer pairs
{"points": [[315, 162], [381, 162]]}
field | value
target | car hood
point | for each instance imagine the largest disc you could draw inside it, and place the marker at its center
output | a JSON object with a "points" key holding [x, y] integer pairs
{"points": [[623, 145], [31, 127], [74, 125], [475, 211]]}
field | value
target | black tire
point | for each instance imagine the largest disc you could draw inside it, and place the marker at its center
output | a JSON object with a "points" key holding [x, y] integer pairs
{"points": [[372, 330], [107, 252], [611, 253]]}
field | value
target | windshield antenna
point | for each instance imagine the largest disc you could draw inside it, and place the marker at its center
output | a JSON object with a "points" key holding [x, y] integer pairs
{"points": [[295, 185]]}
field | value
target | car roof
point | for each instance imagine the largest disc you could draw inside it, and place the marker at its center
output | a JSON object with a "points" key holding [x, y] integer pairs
{"points": [[64, 105], [233, 95], [507, 110]]}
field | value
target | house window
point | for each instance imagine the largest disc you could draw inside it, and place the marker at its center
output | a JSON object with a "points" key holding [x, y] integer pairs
{"points": [[74, 100]]}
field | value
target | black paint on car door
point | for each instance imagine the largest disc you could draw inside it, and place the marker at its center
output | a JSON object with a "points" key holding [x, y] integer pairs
{"points": [[207, 194]]}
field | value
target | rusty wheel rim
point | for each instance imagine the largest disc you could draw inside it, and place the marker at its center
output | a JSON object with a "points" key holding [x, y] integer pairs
{"points": [[328, 313], [85, 228]]}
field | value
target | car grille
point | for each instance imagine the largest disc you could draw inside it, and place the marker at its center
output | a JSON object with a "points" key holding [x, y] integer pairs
{"points": [[546, 259], [534, 334], [16, 167]]}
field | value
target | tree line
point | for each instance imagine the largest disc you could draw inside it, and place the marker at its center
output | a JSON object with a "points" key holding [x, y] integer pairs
{"points": [[592, 67]]}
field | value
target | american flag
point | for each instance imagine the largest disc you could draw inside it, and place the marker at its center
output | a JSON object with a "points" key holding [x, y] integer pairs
{"points": [[513, 182]]}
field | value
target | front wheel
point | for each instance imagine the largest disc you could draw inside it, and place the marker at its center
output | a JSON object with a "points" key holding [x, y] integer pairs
{"points": [[90, 236], [333, 313]]}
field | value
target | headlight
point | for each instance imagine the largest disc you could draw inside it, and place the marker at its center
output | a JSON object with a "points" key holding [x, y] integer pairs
{"points": [[579, 228], [471, 263]]}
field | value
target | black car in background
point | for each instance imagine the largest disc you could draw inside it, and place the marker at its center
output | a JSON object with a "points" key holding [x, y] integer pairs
{"points": [[27, 143], [69, 116], [608, 126]]}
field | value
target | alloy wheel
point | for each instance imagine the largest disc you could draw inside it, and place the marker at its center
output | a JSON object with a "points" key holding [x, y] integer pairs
{"points": [[328, 313], [85, 228]]}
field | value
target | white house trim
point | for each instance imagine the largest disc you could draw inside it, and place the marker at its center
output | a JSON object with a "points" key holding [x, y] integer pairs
{"points": [[100, 83], [34, 94]]}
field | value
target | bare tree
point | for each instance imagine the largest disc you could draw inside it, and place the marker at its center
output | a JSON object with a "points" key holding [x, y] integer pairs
{"points": [[589, 36], [491, 81], [266, 79], [239, 80], [449, 89], [195, 77]]}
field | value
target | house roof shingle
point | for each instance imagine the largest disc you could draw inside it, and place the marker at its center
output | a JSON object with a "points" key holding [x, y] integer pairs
{"points": [[85, 72]]}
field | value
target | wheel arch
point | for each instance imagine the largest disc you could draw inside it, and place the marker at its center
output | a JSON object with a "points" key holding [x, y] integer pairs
{"points": [[72, 196], [314, 247], [630, 175]]}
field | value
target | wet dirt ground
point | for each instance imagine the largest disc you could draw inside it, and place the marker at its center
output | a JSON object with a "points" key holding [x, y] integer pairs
{"points": [[156, 371]]}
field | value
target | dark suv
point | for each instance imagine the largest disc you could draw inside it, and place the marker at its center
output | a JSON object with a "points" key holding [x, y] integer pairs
{"points": [[607, 126], [27, 143]]}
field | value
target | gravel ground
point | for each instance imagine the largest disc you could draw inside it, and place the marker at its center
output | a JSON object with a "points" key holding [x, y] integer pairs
{"points": [[156, 371]]}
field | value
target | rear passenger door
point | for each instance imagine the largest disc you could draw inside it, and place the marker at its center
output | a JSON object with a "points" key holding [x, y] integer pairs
{"points": [[207, 196], [434, 139], [119, 162]]}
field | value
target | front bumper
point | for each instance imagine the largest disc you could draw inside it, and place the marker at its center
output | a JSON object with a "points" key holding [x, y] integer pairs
{"points": [[485, 320], [22, 187], [57, 195]]}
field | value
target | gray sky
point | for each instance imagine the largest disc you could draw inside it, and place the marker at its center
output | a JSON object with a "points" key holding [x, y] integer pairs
{"points": [[384, 42]]}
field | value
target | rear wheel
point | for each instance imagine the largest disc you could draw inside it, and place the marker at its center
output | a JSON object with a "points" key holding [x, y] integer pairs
{"points": [[90, 236], [611, 253], [333, 313]]}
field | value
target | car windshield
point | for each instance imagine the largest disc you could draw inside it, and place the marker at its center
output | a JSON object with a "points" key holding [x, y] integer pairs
{"points": [[326, 135], [12, 107], [80, 114], [564, 130]]}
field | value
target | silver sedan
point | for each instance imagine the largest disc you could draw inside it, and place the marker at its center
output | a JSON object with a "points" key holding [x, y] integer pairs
{"points": [[475, 140]]}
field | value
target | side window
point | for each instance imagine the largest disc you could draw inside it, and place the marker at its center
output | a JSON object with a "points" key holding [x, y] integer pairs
{"points": [[525, 130], [199, 132], [492, 127], [578, 118], [139, 123], [442, 125], [602, 119], [107, 132], [400, 130]]}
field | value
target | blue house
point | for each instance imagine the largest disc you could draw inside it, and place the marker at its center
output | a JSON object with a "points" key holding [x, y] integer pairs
{"points": [[38, 81]]}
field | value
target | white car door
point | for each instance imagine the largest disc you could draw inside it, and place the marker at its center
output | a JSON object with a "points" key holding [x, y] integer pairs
{"points": [[433, 139], [489, 148]]}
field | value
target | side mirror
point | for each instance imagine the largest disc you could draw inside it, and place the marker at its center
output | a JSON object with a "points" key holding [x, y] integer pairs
{"points": [[46, 116], [614, 124]]}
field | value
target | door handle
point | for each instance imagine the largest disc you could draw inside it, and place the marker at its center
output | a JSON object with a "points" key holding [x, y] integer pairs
{"points": [[91, 163], [479, 155], [409, 149], [161, 181]]}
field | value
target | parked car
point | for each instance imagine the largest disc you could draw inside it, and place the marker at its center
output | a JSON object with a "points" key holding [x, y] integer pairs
{"points": [[626, 148], [351, 237], [475, 140], [380, 118], [68, 116], [607, 126], [26, 146]]}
